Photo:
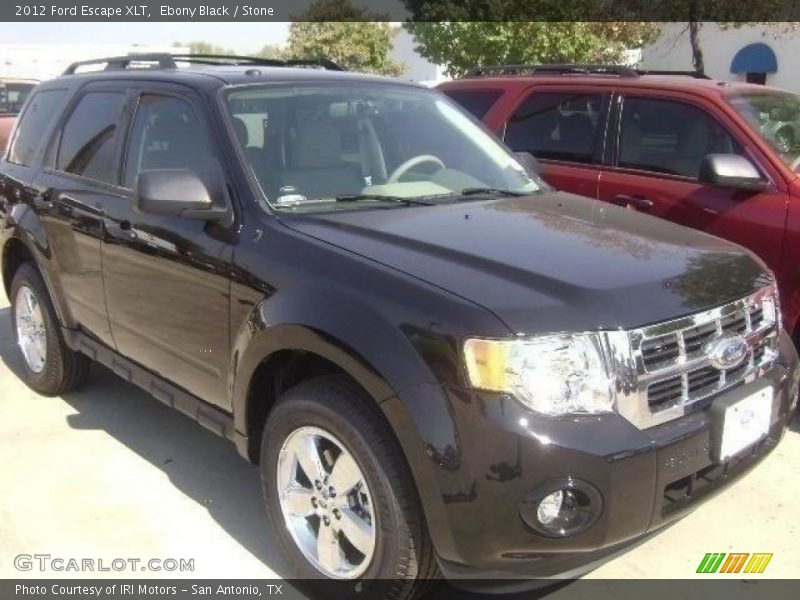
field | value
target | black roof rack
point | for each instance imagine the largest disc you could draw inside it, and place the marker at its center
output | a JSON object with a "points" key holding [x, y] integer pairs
{"points": [[695, 74], [572, 69], [549, 69], [163, 60]]}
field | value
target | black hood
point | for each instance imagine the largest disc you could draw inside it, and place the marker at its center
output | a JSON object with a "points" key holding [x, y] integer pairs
{"points": [[552, 261]]}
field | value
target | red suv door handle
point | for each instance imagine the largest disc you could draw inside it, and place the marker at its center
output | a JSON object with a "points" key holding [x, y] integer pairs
{"points": [[634, 202]]}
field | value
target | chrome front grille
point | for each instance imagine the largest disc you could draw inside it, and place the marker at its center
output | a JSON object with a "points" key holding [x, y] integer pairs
{"points": [[674, 348], [700, 382], [669, 368]]}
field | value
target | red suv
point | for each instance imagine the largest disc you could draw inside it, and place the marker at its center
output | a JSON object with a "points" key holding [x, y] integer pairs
{"points": [[717, 156]]}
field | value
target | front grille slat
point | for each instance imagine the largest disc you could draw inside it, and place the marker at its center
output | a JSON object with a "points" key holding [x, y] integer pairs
{"points": [[660, 351], [679, 357]]}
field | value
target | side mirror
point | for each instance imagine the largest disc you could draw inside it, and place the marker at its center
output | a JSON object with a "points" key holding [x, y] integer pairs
{"points": [[528, 161], [732, 171], [175, 193]]}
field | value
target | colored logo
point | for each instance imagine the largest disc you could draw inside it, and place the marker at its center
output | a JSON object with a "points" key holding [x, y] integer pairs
{"points": [[727, 352], [734, 562]]}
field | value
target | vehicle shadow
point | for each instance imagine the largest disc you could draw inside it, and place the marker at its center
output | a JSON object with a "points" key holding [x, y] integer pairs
{"points": [[201, 465]]}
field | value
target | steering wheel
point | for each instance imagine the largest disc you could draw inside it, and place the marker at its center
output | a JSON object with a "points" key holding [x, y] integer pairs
{"points": [[411, 163]]}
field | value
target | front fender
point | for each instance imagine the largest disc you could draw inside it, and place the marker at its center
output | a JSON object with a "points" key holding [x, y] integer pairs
{"points": [[335, 325], [344, 330], [23, 226]]}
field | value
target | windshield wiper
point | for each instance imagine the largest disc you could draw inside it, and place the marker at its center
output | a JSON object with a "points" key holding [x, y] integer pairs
{"points": [[398, 199], [477, 191]]}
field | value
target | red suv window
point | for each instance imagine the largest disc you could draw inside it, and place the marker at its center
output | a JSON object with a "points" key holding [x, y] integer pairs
{"points": [[669, 137], [477, 102], [559, 126]]}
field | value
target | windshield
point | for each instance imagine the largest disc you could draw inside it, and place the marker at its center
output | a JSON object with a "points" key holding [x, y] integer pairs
{"points": [[12, 97], [775, 116], [354, 145]]}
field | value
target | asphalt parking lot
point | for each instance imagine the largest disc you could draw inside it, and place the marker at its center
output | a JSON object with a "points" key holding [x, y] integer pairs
{"points": [[110, 472]]}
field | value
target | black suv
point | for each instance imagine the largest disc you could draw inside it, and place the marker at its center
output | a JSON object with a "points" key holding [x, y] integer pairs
{"points": [[440, 365]]}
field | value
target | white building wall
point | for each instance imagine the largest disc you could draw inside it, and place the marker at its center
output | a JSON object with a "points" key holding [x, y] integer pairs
{"points": [[418, 69], [673, 51], [45, 61]]}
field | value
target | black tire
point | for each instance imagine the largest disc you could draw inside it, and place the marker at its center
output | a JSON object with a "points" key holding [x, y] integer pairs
{"points": [[403, 564], [64, 369]]}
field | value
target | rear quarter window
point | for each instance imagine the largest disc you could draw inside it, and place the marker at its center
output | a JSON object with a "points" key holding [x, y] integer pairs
{"points": [[40, 113], [477, 102]]}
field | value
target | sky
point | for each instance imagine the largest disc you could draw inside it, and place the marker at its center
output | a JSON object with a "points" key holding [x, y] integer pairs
{"points": [[241, 37]]}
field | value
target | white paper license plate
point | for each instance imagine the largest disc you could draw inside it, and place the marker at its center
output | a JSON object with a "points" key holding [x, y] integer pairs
{"points": [[746, 422]]}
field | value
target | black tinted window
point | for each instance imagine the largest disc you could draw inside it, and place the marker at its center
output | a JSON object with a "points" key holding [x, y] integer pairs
{"points": [[669, 137], [477, 102], [88, 142], [558, 126], [40, 113], [167, 135]]}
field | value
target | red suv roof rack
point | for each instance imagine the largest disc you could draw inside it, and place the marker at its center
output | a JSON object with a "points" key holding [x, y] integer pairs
{"points": [[571, 69]]}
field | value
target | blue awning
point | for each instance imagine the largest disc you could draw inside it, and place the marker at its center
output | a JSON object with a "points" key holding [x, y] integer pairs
{"points": [[755, 58]]}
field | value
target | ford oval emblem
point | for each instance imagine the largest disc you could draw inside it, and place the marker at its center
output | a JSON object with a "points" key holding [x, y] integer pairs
{"points": [[727, 352]]}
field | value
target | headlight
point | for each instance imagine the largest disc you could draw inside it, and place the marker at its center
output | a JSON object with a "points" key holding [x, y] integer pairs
{"points": [[553, 375]]}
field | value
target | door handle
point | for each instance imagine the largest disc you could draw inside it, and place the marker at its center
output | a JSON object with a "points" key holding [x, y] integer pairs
{"points": [[74, 207], [635, 202], [121, 230], [42, 202]]}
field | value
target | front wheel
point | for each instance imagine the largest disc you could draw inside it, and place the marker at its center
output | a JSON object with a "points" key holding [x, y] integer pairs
{"points": [[49, 366], [340, 498]]}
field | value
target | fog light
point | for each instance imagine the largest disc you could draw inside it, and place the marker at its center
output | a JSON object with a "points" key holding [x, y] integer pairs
{"points": [[550, 507], [562, 508]]}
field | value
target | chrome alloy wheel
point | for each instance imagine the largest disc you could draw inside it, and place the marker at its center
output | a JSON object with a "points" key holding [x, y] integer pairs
{"points": [[31, 334], [326, 503]]}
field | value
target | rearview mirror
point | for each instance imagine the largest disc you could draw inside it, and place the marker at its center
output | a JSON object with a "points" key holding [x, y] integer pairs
{"points": [[175, 193], [732, 171]]}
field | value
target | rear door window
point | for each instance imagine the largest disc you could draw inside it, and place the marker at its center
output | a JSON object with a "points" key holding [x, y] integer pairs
{"points": [[559, 126], [668, 136], [40, 113], [477, 102], [90, 137]]}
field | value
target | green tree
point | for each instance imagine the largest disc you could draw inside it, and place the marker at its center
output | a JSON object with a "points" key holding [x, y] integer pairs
{"points": [[271, 51], [200, 47], [348, 35], [773, 16], [577, 30], [464, 44]]}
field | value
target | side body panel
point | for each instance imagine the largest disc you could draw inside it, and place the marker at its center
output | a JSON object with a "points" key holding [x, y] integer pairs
{"points": [[167, 280], [790, 265]]}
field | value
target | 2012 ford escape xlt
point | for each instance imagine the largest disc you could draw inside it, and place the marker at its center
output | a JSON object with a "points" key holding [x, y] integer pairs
{"points": [[440, 365]]}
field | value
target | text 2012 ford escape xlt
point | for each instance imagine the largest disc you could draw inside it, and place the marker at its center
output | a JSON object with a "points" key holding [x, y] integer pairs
{"points": [[440, 365]]}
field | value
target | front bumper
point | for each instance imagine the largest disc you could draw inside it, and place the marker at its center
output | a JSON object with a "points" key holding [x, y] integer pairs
{"points": [[499, 452]]}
